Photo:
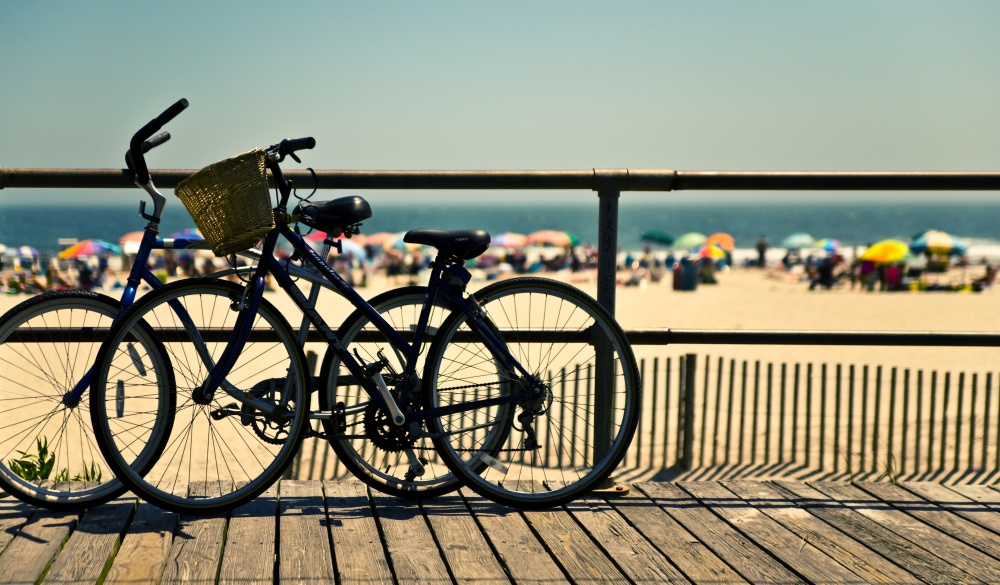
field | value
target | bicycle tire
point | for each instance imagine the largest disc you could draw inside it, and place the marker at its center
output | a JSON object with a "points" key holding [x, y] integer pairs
{"points": [[386, 465], [221, 454], [551, 452], [47, 346]]}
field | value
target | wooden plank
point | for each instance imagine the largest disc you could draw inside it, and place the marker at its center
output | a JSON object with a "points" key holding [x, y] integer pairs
{"points": [[249, 556], [462, 543], [745, 557], [35, 545], [572, 548], [956, 503], [197, 546], [638, 559], [145, 548], [959, 554], [691, 556], [918, 560], [519, 549], [953, 525], [872, 567], [13, 514], [412, 553], [357, 548], [985, 495], [304, 554], [796, 552], [93, 543]]}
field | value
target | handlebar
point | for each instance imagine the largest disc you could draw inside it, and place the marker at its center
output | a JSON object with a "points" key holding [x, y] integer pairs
{"points": [[288, 146], [137, 146]]}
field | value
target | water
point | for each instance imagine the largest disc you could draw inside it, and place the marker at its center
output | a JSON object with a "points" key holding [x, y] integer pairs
{"points": [[41, 225]]}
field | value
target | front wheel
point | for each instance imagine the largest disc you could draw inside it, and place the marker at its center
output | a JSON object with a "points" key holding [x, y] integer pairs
{"points": [[558, 425], [219, 453]]}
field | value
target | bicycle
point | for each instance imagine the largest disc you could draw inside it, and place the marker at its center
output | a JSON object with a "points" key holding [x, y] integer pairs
{"points": [[529, 394], [47, 344]]}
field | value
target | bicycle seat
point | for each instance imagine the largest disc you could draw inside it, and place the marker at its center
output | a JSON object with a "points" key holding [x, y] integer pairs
{"points": [[334, 215], [463, 244]]}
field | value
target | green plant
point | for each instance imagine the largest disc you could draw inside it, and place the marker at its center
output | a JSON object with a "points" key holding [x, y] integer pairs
{"points": [[34, 467], [38, 467], [889, 471]]}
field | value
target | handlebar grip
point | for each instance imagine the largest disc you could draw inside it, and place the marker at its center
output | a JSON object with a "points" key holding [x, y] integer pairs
{"points": [[155, 141], [171, 112], [290, 145], [136, 145]]}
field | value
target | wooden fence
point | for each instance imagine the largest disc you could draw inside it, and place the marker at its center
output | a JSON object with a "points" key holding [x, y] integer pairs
{"points": [[715, 418]]}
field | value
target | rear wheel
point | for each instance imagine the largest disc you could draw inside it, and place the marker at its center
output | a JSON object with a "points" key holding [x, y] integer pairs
{"points": [[48, 455], [552, 433]]}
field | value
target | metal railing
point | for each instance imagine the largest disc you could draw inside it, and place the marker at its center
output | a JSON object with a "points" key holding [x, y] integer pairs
{"points": [[609, 184]]}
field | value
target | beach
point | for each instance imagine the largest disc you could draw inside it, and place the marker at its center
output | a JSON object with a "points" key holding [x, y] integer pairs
{"points": [[755, 299]]}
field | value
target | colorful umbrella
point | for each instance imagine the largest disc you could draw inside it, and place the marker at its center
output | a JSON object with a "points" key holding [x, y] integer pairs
{"points": [[399, 244], [657, 237], [886, 252], [90, 248], [27, 252], [723, 240], [509, 240], [552, 238], [188, 234], [798, 240], [689, 241], [939, 243], [712, 251], [131, 241], [379, 238], [828, 244]]}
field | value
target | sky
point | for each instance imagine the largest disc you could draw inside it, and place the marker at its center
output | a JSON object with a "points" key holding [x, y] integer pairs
{"points": [[560, 85]]}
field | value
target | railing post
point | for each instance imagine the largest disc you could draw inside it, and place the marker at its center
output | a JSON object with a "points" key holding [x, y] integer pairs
{"points": [[607, 268], [686, 414]]}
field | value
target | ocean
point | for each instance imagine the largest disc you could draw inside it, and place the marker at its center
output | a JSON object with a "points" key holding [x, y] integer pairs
{"points": [[41, 225]]}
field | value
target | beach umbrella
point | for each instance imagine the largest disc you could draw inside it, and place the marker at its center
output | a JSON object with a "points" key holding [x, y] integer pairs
{"points": [[509, 240], [398, 243], [886, 252], [689, 241], [188, 234], [712, 251], [939, 243], [798, 240], [552, 238], [379, 238], [657, 237], [90, 248], [3, 249], [723, 240], [827, 244], [131, 241], [27, 252]]}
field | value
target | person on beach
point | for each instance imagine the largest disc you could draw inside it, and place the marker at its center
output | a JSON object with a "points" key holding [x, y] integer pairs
{"points": [[762, 246]]}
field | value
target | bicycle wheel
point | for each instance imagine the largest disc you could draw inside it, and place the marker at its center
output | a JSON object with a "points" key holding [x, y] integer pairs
{"points": [[394, 460], [220, 454], [582, 394], [48, 456]]}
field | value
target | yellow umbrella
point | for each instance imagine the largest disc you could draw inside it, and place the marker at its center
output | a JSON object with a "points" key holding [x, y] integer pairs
{"points": [[886, 252]]}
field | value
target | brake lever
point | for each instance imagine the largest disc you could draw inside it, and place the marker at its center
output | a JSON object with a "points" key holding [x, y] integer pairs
{"points": [[295, 158]]}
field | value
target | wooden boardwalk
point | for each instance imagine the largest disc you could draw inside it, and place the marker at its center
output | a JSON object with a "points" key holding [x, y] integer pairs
{"points": [[663, 532]]}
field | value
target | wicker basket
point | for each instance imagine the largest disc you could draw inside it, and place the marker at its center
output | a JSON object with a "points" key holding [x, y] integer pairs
{"points": [[229, 202]]}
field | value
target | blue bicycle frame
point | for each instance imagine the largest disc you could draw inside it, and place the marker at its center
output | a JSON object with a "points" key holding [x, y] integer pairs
{"points": [[254, 293]]}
